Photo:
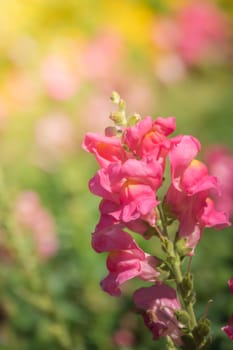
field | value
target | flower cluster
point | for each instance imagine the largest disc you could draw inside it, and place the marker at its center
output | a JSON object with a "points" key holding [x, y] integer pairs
{"points": [[132, 158]]}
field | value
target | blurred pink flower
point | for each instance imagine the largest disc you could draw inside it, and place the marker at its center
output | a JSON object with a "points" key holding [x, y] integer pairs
{"points": [[21, 89], [102, 55], [95, 113], [169, 68], [124, 338], [4, 113], [138, 93], [31, 215], [220, 162], [165, 33], [55, 136], [199, 32], [203, 31], [61, 80], [125, 335]]}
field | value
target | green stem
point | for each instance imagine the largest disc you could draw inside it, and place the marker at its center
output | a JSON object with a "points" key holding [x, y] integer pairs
{"points": [[169, 344], [187, 306]]}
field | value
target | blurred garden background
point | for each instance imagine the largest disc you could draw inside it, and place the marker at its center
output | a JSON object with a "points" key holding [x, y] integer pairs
{"points": [[59, 63]]}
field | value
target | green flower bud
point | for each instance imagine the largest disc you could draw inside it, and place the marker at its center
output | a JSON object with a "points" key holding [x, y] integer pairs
{"points": [[118, 118], [167, 247], [110, 131], [134, 119], [115, 97], [202, 329], [181, 247], [183, 317]]}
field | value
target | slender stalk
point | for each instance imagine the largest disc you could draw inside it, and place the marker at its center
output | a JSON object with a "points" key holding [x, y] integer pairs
{"points": [[187, 306], [170, 344], [175, 263]]}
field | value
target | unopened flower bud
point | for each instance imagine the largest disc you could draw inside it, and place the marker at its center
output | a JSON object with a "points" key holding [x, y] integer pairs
{"points": [[133, 119], [202, 329], [167, 247], [181, 247], [115, 97], [110, 131], [122, 105], [118, 118], [183, 317], [201, 332]]}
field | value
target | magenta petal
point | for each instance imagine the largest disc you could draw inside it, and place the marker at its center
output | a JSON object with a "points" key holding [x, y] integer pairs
{"points": [[228, 329], [230, 283], [166, 125], [112, 238], [183, 151], [106, 149], [212, 217]]}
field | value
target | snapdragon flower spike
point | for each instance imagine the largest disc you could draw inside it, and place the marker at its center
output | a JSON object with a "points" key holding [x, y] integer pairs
{"points": [[228, 329], [124, 265], [158, 304]]}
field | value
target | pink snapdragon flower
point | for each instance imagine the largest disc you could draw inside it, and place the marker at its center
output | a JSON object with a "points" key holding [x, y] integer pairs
{"points": [[181, 154], [109, 236], [127, 264], [220, 163], [110, 233], [191, 203], [148, 138], [126, 260], [106, 149], [132, 157], [229, 328], [131, 185], [158, 304], [189, 195]]}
